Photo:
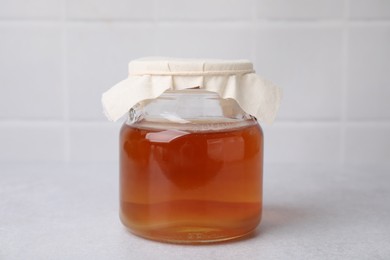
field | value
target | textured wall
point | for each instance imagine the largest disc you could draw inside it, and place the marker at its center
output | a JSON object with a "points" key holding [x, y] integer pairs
{"points": [[331, 57]]}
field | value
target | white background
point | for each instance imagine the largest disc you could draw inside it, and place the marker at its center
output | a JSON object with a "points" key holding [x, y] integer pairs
{"points": [[326, 192], [331, 57]]}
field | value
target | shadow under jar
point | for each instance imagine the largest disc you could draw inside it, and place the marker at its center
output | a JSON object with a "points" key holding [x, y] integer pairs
{"points": [[190, 168]]}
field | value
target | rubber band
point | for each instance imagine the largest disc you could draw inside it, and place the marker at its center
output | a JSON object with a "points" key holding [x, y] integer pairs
{"points": [[191, 73]]}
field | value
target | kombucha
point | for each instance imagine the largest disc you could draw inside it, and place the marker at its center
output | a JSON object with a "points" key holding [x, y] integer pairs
{"points": [[191, 186]]}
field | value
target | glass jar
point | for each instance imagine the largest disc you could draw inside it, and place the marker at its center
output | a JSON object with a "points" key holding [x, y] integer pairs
{"points": [[190, 168]]}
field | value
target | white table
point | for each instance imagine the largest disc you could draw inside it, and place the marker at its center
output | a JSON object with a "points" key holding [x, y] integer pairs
{"points": [[70, 211]]}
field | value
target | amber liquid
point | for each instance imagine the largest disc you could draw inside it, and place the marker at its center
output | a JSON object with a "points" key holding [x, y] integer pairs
{"points": [[191, 187]]}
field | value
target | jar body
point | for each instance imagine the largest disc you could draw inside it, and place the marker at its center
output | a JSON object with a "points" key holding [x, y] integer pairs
{"points": [[191, 179]]}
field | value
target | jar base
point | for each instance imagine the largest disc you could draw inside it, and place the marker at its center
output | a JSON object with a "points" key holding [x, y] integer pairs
{"points": [[193, 235]]}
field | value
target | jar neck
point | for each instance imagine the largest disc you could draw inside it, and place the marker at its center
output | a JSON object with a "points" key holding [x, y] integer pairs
{"points": [[189, 109]]}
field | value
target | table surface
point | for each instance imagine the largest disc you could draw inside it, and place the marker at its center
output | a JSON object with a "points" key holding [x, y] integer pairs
{"points": [[70, 211]]}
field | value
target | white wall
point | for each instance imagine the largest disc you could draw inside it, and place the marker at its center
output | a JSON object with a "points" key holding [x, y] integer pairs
{"points": [[331, 57]]}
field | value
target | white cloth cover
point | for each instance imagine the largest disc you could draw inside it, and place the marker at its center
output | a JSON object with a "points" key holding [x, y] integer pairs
{"points": [[150, 77]]}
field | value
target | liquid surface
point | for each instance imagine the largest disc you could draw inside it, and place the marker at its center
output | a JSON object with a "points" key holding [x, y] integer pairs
{"points": [[191, 187]]}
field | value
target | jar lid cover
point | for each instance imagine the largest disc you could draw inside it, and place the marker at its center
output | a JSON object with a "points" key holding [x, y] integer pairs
{"points": [[150, 77], [188, 67]]}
